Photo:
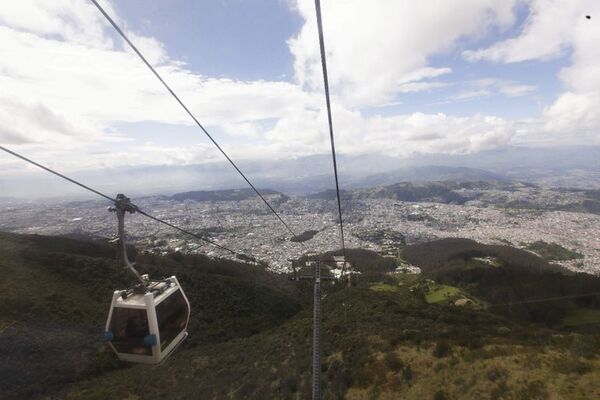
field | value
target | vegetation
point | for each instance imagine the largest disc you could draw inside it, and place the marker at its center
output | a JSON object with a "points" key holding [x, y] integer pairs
{"points": [[442, 293], [380, 236], [250, 335], [57, 291], [225, 195], [582, 317], [553, 251], [304, 236], [520, 277]]}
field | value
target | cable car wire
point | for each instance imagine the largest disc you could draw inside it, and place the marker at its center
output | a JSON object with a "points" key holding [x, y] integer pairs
{"points": [[543, 300], [330, 122], [189, 233], [113, 200], [56, 173], [187, 110]]}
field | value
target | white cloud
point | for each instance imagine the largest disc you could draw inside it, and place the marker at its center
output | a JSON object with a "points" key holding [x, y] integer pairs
{"points": [[397, 135], [513, 90], [90, 88], [66, 83], [70, 20], [490, 86], [373, 47], [470, 94], [547, 33], [420, 86], [576, 112], [555, 28], [34, 123]]}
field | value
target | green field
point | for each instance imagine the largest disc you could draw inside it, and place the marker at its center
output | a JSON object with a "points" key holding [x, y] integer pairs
{"points": [[582, 316], [553, 251], [441, 293], [384, 287]]}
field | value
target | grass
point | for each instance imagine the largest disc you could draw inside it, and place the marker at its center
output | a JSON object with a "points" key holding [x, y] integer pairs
{"points": [[553, 251], [442, 293], [582, 316], [58, 291], [383, 287], [4, 324], [250, 340]]}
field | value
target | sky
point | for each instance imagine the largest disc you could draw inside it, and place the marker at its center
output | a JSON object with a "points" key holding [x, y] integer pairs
{"points": [[407, 77]]}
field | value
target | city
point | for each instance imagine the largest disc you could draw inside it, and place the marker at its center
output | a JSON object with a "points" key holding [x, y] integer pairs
{"points": [[247, 227]]}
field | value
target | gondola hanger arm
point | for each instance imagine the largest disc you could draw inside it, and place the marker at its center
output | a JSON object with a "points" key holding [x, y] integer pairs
{"points": [[123, 205]]}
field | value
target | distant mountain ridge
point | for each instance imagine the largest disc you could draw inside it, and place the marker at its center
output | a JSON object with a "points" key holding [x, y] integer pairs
{"points": [[456, 192], [222, 195], [427, 173], [564, 166], [503, 194]]}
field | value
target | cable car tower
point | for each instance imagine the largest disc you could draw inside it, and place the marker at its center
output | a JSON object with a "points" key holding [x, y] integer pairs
{"points": [[312, 271]]}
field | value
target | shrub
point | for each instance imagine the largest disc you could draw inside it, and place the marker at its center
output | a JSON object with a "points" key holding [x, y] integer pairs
{"points": [[571, 366], [440, 395], [503, 330], [442, 349], [496, 373], [407, 373], [393, 362], [533, 390], [585, 346]]}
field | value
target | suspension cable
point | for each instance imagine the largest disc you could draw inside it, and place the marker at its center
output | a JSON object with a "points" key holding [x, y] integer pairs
{"points": [[327, 100], [187, 110], [543, 300], [56, 173], [113, 201]]}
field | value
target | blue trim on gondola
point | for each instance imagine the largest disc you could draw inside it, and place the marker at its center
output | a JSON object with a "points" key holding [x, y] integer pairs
{"points": [[150, 340], [107, 336]]}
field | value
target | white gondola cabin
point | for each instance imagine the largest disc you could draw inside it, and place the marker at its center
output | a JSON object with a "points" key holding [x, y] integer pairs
{"points": [[146, 324]]}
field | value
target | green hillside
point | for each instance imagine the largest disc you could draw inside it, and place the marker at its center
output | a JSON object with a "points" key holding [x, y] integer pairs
{"points": [[56, 293], [250, 336]]}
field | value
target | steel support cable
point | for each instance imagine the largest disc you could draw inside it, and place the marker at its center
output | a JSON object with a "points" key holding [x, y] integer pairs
{"points": [[56, 173], [189, 233], [187, 110], [543, 300], [113, 200], [330, 122]]}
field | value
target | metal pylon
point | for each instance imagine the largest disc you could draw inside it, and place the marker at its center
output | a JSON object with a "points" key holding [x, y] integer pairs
{"points": [[313, 261], [316, 383]]}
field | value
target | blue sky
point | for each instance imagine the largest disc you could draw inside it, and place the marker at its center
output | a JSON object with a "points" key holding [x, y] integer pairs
{"points": [[406, 77], [247, 40], [238, 39]]}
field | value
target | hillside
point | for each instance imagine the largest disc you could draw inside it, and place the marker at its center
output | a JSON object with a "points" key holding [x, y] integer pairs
{"points": [[455, 192], [497, 193], [427, 173], [503, 274], [383, 338], [224, 195], [56, 293]]}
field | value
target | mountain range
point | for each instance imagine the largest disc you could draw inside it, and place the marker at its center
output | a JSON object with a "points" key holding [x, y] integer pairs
{"points": [[570, 166]]}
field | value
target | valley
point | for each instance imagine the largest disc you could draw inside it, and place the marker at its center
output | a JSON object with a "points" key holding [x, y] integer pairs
{"points": [[494, 213]]}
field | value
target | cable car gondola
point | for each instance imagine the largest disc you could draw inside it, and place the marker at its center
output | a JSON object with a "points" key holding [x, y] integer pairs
{"points": [[147, 322]]}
